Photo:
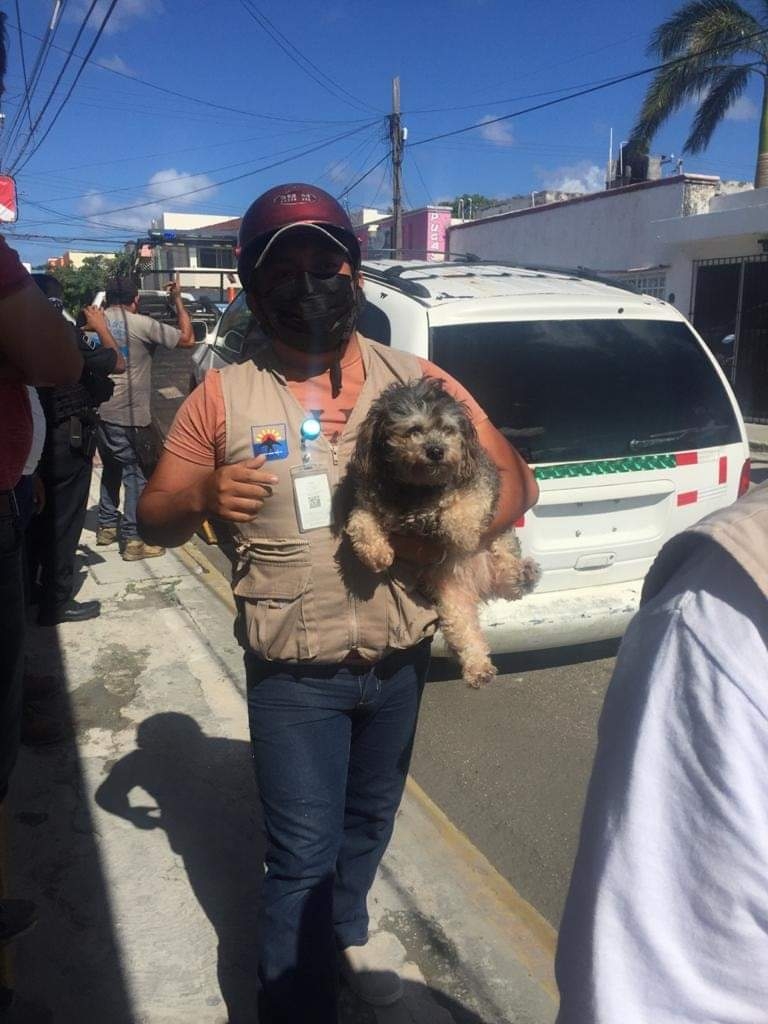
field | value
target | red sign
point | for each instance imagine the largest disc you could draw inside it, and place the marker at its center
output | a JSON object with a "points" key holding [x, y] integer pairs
{"points": [[8, 209]]}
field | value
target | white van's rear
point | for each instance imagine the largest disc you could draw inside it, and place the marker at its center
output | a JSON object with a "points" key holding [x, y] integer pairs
{"points": [[626, 418]]}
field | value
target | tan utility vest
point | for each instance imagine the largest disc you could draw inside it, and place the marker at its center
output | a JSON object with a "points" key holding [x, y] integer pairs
{"points": [[306, 596], [741, 529]]}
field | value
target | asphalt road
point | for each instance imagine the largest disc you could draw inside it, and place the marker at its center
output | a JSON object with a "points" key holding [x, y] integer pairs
{"points": [[508, 764]]}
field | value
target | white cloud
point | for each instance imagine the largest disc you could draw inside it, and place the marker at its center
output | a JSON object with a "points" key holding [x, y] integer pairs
{"points": [[116, 63], [581, 177], [499, 133], [339, 172], [125, 12], [161, 192], [744, 109]]}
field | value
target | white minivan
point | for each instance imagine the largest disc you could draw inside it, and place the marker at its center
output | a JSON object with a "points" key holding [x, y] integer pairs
{"points": [[630, 426]]}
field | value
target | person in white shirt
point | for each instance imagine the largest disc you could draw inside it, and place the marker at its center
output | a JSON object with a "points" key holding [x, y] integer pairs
{"points": [[666, 919]]}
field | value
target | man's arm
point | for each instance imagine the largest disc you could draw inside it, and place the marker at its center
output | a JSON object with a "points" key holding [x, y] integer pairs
{"points": [[37, 345], [187, 339], [182, 494], [97, 322]]}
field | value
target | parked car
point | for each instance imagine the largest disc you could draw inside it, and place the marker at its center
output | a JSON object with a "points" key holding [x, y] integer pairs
{"points": [[625, 416]]}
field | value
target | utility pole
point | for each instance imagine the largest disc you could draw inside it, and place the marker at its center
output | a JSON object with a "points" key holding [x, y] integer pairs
{"points": [[396, 142]]}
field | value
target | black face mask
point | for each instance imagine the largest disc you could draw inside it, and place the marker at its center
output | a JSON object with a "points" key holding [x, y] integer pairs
{"points": [[311, 313]]}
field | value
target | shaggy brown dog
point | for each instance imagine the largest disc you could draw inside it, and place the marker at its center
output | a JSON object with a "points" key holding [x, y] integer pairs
{"points": [[418, 468]]}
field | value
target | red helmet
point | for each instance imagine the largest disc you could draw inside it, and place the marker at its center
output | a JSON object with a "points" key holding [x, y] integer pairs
{"points": [[284, 207]]}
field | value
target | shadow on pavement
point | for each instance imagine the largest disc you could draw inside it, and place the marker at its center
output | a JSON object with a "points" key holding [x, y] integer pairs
{"points": [[205, 801], [72, 958], [444, 669]]}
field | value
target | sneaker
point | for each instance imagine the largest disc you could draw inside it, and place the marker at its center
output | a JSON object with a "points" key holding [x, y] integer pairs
{"points": [[16, 918], [136, 549], [369, 977], [106, 535]]}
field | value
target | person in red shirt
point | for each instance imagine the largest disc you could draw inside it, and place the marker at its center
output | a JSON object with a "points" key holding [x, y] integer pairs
{"points": [[37, 346]]}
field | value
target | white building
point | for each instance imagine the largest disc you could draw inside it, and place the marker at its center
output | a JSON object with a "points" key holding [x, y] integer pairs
{"points": [[199, 249], [691, 239]]}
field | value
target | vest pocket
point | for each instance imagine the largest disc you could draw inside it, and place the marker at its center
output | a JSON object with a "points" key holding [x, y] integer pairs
{"points": [[276, 608]]}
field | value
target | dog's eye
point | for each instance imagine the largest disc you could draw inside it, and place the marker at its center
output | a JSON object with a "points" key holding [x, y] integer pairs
{"points": [[414, 431]]}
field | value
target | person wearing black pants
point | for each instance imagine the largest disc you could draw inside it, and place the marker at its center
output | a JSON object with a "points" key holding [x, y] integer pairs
{"points": [[65, 470]]}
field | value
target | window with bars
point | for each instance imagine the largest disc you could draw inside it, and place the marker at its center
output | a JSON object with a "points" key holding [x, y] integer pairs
{"points": [[649, 284]]}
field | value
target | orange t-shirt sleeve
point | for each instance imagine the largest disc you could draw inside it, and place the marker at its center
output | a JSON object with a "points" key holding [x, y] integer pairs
{"points": [[198, 433], [459, 392]]}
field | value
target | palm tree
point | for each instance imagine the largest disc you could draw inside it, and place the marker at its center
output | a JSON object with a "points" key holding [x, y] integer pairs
{"points": [[723, 46]]}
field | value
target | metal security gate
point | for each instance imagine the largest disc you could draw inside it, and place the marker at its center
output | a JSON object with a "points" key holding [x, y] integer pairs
{"points": [[730, 311]]}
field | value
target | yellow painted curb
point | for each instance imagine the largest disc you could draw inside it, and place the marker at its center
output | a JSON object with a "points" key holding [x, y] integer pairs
{"points": [[531, 936], [210, 576]]}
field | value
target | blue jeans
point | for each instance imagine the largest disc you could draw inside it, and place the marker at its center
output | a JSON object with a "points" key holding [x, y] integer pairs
{"points": [[331, 747], [117, 449]]}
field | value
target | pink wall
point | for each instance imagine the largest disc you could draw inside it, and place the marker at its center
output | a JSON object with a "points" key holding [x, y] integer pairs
{"points": [[424, 234]]}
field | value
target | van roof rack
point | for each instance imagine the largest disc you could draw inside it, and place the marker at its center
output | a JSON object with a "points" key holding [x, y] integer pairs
{"points": [[413, 287]]}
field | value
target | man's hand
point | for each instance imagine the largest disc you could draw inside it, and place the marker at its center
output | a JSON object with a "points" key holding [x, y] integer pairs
{"points": [[174, 291], [95, 319], [237, 492]]}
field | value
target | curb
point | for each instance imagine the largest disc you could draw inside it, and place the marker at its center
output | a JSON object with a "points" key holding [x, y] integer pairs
{"points": [[530, 936]]}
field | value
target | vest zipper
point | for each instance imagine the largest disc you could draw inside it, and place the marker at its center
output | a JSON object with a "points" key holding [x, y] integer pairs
{"points": [[334, 453]]}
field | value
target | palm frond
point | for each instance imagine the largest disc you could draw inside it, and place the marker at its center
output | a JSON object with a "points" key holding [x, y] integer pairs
{"points": [[701, 25], [723, 93], [670, 89]]}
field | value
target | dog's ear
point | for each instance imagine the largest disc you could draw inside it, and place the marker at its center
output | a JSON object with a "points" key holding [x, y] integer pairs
{"points": [[368, 445], [469, 466]]}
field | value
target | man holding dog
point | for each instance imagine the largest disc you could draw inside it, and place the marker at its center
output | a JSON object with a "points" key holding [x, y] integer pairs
{"points": [[336, 655]]}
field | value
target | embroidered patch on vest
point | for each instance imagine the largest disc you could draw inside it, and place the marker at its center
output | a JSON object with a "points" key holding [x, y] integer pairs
{"points": [[270, 439]]}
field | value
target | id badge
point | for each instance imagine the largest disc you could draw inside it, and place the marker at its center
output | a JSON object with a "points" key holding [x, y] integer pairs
{"points": [[312, 497]]}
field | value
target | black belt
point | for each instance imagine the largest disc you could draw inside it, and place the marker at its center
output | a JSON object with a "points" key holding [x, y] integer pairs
{"points": [[9, 508]]}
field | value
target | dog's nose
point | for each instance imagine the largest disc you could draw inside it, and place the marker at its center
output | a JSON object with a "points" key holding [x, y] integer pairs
{"points": [[435, 452]]}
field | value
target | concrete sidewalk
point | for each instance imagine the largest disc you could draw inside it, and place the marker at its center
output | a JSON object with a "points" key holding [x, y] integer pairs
{"points": [[140, 837]]}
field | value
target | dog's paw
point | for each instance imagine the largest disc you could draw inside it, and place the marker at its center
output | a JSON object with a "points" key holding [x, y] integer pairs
{"points": [[479, 673], [377, 556]]}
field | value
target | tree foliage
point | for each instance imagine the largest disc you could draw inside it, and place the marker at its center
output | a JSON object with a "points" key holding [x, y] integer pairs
{"points": [[712, 49], [473, 201], [82, 283]]}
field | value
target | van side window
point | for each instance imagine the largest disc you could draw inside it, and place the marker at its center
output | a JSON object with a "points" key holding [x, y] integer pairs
{"points": [[576, 390]]}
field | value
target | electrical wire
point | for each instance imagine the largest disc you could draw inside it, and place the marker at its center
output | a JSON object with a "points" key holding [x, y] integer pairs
{"points": [[46, 42], [180, 177], [430, 200], [199, 100], [584, 92], [362, 177], [16, 165], [302, 61], [23, 63], [237, 177]]}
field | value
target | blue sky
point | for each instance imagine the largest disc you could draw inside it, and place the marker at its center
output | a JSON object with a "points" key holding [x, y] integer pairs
{"points": [[122, 150]]}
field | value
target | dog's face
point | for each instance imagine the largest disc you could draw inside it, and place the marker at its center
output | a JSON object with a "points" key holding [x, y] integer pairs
{"points": [[419, 434]]}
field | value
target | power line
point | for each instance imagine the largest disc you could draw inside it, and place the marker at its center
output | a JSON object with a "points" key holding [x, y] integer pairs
{"points": [[46, 42], [430, 200], [23, 64], [181, 177], [301, 60], [237, 177], [198, 99], [362, 177], [16, 165], [595, 88]]}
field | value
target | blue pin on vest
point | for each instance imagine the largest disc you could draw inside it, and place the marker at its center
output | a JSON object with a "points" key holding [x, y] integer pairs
{"points": [[309, 431]]}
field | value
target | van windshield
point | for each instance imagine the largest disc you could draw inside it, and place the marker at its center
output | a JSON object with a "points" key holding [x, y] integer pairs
{"points": [[563, 390]]}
